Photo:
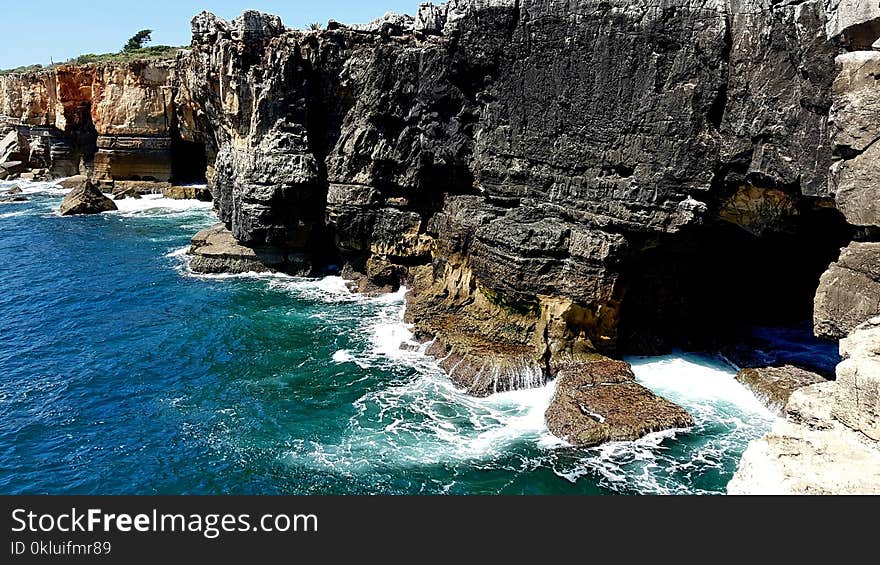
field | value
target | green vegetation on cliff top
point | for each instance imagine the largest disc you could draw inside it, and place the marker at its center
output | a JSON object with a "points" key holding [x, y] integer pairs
{"points": [[155, 52]]}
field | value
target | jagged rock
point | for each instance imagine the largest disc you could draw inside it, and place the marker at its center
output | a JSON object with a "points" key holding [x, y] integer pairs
{"points": [[774, 385], [12, 199], [855, 185], [14, 190], [85, 199], [828, 442], [795, 459], [855, 101], [187, 193], [598, 401], [214, 250], [849, 291], [75, 181], [388, 25]]}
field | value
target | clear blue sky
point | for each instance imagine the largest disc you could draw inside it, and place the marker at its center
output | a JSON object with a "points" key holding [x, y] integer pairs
{"points": [[36, 31]]}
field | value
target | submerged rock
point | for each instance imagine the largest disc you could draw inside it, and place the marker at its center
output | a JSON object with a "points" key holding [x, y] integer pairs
{"points": [[599, 401], [86, 199], [774, 385], [828, 441]]}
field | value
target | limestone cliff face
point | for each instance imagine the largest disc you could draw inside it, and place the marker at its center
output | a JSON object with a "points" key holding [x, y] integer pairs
{"points": [[553, 178], [111, 120]]}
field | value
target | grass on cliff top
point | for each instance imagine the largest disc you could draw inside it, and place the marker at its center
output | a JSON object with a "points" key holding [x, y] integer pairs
{"points": [[155, 52]]}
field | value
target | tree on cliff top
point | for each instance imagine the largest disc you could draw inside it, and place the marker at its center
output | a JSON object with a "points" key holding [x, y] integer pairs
{"points": [[138, 40]]}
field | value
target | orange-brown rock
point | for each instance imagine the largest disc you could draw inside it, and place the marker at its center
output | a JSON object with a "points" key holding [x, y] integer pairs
{"points": [[598, 400]]}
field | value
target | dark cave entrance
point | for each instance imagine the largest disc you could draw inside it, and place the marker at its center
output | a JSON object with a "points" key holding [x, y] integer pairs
{"points": [[189, 162], [713, 284]]}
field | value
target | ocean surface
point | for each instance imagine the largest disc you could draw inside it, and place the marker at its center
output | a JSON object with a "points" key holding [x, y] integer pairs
{"points": [[123, 373]]}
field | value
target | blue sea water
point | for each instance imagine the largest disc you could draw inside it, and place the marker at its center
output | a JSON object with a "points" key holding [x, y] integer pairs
{"points": [[123, 373]]}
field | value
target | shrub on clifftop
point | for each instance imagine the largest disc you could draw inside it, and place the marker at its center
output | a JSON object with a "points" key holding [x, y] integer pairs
{"points": [[138, 40]]}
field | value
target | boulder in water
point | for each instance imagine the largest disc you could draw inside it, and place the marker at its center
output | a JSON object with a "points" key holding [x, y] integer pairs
{"points": [[598, 400], [14, 190], [86, 199]]}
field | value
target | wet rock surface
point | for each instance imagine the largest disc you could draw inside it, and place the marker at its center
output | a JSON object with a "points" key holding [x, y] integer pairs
{"points": [[774, 385], [598, 400]]}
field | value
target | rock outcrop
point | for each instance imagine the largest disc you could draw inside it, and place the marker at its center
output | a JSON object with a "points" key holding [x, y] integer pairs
{"points": [[829, 442], [187, 193], [85, 199], [849, 291], [111, 121], [775, 385], [214, 251], [550, 180], [598, 400]]}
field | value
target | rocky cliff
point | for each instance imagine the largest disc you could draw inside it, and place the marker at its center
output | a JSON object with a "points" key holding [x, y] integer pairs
{"points": [[112, 121], [552, 178]]}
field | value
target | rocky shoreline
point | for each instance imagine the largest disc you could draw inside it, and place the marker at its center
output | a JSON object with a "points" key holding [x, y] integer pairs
{"points": [[829, 440], [556, 185]]}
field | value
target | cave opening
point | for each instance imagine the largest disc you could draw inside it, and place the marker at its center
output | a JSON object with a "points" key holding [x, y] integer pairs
{"points": [[713, 285], [189, 162]]}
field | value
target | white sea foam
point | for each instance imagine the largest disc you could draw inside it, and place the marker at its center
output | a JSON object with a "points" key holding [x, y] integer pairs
{"points": [[152, 204], [417, 417], [180, 252]]}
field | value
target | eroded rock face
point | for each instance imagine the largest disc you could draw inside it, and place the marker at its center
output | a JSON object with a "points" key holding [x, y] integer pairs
{"points": [[598, 400], [849, 291], [516, 160], [828, 442], [112, 121], [85, 199], [774, 385]]}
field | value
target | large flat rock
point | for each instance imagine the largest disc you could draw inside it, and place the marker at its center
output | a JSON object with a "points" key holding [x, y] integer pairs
{"points": [[599, 401]]}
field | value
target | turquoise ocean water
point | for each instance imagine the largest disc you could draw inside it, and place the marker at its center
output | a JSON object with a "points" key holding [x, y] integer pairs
{"points": [[121, 372]]}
